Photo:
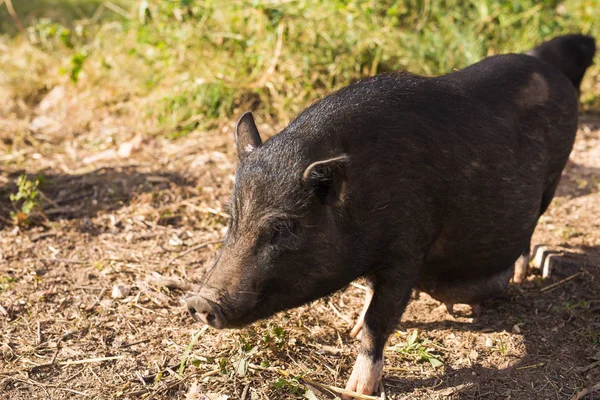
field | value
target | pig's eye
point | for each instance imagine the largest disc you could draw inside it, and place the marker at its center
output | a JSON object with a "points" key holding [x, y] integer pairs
{"points": [[282, 231]]}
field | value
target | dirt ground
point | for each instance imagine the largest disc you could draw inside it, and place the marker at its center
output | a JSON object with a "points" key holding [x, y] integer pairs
{"points": [[135, 213]]}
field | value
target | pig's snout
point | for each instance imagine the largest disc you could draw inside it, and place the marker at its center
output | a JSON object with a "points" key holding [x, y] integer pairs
{"points": [[206, 311]]}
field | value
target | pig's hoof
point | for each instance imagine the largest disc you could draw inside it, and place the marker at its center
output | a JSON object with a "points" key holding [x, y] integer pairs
{"points": [[365, 377], [521, 266]]}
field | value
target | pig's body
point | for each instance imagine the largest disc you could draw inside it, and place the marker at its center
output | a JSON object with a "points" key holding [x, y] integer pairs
{"points": [[435, 183]]}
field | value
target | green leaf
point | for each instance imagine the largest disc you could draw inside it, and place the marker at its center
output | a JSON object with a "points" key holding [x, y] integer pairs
{"points": [[412, 338], [281, 383], [435, 362]]}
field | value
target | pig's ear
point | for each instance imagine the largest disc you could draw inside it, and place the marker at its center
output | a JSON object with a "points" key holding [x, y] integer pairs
{"points": [[326, 178], [247, 138]]}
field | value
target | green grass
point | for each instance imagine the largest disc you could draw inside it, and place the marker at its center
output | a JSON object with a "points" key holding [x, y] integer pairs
{"points": [[418, 349], [26, 200], [191, 64], [60, 11]]}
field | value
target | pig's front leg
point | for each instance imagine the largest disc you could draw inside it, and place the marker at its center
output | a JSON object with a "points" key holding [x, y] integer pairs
{"points": [[391, 293]]}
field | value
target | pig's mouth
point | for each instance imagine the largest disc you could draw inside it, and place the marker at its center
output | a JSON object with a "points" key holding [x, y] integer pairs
{"points": [[207, 311]]}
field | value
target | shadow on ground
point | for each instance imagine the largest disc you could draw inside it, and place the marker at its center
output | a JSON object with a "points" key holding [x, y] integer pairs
{"points": [[81, 196], [560, 327]]}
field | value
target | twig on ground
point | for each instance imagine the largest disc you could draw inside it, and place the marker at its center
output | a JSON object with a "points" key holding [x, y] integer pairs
{"points": [[124, 346], [555, 285], [584, 392], [193, 248], [89, 360], [339, 314], [531, 366], [399, 369], [48, 199], [95, 303], [39, 333], [359, 286], [245, 392], [69, 390], [100, 380], [133, 261], [53, 359], [588, 367], [72, 376], [58, 260]]}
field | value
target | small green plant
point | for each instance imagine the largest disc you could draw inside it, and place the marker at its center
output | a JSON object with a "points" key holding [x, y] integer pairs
{"points": [[6, 281], [501, 347], [245, 353], [27, 200], [186, 354], [275, 335], [593, 336], [223, 365], [289, 385], [416, 349], [77, 61], [44, 33]]}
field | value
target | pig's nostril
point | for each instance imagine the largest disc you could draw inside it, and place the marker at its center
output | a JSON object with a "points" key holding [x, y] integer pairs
{"points": [[210, 318], [192, 310]]}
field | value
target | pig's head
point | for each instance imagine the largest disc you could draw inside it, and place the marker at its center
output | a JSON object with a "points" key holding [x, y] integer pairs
{"points": [[288, 238]]}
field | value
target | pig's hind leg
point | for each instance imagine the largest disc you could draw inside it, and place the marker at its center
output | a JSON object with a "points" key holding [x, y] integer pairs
{"points": [[361, 318], [522, 263]]}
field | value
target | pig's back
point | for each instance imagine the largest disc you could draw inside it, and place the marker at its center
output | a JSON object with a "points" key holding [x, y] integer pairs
{"points": [[520, 120], [460, 163]]}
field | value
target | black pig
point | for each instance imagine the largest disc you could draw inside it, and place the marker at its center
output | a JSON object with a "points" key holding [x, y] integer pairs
{"points": [[409, 181], [570, 54]]}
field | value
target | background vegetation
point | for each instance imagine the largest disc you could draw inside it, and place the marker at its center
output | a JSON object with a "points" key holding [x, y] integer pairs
{"points": [[182, 65]]}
